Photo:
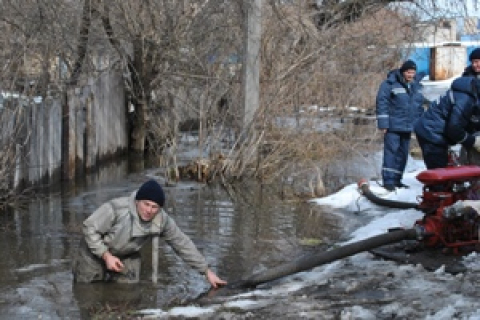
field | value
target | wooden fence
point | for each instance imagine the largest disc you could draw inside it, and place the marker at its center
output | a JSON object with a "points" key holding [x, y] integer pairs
{"points": [[61, 139]]}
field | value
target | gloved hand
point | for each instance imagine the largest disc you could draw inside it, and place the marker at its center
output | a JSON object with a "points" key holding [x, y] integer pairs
{"points": [[476, 144]]}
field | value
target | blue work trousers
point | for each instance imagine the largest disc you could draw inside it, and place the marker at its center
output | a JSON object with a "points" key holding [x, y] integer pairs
{"points": [[434, 155], [396, 146]]}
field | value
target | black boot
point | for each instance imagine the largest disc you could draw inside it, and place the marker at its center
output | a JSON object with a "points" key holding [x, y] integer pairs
{"points": [[401, 185], [389, 187]]}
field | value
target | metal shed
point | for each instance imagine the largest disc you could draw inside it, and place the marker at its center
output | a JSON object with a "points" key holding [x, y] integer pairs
{"points": [[447, 61]]}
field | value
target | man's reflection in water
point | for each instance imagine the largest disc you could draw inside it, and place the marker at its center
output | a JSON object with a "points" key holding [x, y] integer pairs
{"points": [[95, 299]]}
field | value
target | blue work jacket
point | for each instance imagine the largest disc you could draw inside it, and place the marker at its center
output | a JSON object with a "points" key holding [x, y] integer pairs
{"points": [[398, 104], [455, 117]]}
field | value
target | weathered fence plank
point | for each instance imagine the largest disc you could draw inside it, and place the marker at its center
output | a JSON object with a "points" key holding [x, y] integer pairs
{"points": [[64, 139], [98, 123]]}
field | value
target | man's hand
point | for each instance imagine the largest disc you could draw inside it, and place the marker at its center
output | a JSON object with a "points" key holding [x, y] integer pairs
{"points": [[214, 280], [476, 144], [112, 262]]}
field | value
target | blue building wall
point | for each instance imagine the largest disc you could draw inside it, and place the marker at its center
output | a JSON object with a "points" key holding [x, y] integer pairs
{"points": [[421, 54]]}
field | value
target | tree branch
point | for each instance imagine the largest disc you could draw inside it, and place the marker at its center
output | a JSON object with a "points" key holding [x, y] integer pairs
{"points": [[82, 42]]}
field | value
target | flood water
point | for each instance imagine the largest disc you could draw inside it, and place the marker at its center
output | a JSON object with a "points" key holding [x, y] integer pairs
{"points": [[239, 232]]}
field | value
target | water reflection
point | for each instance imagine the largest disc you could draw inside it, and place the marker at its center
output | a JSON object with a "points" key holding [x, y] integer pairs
{"points": [[238, 234]]}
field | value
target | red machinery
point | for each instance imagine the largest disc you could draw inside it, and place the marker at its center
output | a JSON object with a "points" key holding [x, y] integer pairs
{"points": [[440, 226], [442, 188]]}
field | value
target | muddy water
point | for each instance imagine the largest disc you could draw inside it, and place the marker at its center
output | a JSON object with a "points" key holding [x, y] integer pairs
{"points": [[239, 232]]}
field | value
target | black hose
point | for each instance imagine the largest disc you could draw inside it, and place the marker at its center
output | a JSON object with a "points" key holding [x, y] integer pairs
{"points": [[365, 190], [311, 261]]}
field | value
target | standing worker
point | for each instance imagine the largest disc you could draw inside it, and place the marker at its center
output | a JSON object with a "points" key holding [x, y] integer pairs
{"points": [[452, 120], [473, 69], [117, 230], [398, 106]]}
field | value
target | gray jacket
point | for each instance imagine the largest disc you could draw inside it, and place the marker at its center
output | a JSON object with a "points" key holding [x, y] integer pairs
{"points": [[115, 226]]}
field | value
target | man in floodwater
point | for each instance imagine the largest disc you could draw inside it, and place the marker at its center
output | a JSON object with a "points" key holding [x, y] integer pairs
{"points": [[117, 230]]}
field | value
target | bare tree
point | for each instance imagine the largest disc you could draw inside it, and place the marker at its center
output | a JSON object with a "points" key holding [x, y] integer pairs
{"points": [[181, 61]]}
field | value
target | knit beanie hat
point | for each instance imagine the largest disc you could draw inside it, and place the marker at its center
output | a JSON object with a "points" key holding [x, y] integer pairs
{"points": [[475, 54], [152, 191], [408, 65]]}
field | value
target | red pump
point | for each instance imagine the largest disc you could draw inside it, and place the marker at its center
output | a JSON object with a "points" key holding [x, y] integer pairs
{"points": [[442, 188]]}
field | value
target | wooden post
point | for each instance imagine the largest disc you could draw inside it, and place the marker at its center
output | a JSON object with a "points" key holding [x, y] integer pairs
{"points": [[251, 67], [155, 246]]}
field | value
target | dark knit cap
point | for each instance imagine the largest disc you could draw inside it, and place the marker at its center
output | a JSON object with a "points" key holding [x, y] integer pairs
{"points": [[408, 65], [475, 54], [152, 191]]}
